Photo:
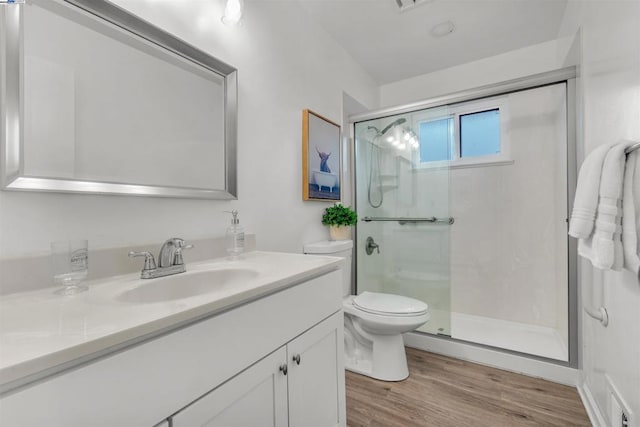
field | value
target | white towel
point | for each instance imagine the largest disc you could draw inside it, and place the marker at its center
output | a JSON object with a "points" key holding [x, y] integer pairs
{"points": [[607, 242], [631, 213], [586, 200], [604, 246]]}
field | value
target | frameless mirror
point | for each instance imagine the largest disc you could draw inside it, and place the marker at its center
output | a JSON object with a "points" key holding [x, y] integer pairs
{"points": [[96, 100]]}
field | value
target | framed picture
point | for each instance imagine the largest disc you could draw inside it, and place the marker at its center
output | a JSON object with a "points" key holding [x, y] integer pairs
{"points": [[320, 158]]}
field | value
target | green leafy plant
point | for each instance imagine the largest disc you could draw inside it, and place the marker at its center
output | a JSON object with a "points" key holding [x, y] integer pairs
{"points": [[339, 215]]}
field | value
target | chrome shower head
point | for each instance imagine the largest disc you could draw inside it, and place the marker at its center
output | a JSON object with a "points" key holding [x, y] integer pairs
{"points": [[392, 125]]}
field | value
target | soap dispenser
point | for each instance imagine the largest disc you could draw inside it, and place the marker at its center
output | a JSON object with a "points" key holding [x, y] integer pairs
{"points": [[235, 236]]}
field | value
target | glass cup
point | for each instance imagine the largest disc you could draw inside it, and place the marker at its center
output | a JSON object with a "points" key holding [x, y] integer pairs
{"points": [[70, 266]]}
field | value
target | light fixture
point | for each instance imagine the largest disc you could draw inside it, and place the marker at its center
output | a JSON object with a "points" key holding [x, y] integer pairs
{"points": [[442, 29], [399, 137], [233, 12]]}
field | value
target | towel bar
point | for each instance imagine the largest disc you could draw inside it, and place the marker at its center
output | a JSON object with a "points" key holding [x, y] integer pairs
{"points": [[598, 314], [403, 221], [634, 147]]}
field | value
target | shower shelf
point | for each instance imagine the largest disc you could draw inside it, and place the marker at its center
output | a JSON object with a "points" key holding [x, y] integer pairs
{"points": [[388, 187]]}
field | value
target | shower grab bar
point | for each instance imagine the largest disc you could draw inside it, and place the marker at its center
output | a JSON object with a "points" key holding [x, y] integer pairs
{"points": [[403, 221]]}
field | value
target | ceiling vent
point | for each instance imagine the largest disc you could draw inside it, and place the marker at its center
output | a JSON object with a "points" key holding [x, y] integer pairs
{"points": [[405, 5]]}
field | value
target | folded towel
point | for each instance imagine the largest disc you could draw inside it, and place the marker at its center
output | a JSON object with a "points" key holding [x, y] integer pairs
{"points": [[603, 246], [607, 254], [631, 213], [607, 242], [586, 199]]}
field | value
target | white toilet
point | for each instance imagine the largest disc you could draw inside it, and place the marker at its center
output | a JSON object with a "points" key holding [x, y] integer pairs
{"points": [[373, 322]]}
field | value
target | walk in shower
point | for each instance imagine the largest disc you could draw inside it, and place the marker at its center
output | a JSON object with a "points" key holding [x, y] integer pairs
{"points": [[467, 203]]}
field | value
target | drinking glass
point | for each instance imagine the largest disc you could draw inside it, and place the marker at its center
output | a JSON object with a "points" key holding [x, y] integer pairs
{"points": [[70, 265]]}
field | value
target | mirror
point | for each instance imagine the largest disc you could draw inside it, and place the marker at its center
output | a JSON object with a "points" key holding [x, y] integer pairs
{"points": [[97, 100]]}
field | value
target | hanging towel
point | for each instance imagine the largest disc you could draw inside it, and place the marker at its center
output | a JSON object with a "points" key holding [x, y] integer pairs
{"points": [[586, 199], [631, 213], [604, 246]]}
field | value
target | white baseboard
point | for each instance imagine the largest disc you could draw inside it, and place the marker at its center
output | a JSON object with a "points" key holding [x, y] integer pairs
{"points": [[593, 411], [497, 359]]}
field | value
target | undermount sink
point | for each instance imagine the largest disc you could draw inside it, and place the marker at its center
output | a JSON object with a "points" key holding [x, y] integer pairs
{"points": [[186, 285]]}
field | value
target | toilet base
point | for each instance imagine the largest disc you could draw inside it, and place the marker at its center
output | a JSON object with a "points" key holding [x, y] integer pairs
{"points": [[363, 367], [385, 360]]}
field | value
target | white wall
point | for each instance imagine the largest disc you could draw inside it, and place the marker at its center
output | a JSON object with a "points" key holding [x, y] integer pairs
{"points": [[610, 105], [286, 63], [530, 60]]}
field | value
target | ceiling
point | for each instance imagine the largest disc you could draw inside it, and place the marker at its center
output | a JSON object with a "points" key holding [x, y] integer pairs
{"points": [[393, 45]]}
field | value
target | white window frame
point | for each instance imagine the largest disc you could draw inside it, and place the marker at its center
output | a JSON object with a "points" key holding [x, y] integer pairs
{"points": [[454, 112]]}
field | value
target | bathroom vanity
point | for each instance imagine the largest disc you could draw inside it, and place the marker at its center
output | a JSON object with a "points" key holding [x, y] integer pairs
{"points": [[261, 344]]}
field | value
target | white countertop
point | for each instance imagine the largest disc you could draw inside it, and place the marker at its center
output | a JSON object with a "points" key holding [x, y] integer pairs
{"points": [[42, 333]]}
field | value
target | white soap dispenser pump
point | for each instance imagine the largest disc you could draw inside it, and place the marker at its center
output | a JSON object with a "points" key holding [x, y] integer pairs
{"points": [[235, 236]]}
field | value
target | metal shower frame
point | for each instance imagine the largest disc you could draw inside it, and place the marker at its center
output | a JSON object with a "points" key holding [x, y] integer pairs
{"points": [[564, 75]]}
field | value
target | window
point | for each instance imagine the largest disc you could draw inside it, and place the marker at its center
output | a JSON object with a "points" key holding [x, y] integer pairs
{"points": [[436, 140], [480, 133], [466, 134]]}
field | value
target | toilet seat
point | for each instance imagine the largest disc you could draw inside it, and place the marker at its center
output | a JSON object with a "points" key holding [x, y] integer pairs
{"points": [[389, 305]]}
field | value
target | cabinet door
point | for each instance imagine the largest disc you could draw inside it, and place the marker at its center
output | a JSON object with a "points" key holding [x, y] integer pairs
{"points": [[255, 397], [316, 384]]}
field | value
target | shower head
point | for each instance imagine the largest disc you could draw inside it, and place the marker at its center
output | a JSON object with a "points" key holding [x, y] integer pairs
{"points": [[392, 125]]}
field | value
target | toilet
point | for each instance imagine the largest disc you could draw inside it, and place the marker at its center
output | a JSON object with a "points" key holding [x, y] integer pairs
{"points": [[373, 322]]}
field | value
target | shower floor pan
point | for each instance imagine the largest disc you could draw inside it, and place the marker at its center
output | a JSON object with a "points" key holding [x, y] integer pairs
{"points": [[521, 337]]}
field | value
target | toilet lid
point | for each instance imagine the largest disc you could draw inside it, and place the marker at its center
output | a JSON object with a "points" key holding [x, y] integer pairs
{"points": [[378, 303]]}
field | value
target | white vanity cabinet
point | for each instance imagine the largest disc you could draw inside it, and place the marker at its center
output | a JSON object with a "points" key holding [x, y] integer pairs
{"points": [[255, 397], [316, 383], [300, 384], [221, 369]]}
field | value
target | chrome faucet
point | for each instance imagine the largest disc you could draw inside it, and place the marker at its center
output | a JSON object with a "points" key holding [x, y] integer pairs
{"points": [[170, 259]]}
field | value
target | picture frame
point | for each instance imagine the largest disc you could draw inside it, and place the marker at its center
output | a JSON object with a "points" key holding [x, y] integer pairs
{"points": [[321, 158]]}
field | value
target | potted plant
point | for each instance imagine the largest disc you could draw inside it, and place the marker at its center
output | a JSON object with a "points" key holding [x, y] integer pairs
{"points": [[339, 218]]}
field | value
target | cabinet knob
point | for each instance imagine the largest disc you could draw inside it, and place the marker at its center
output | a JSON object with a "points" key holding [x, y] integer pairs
{"points": [[296, 358], [283, 368]]}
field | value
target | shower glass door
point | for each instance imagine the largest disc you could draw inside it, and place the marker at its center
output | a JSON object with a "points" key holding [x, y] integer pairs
{"points": [[496, 274], [402, 200]]}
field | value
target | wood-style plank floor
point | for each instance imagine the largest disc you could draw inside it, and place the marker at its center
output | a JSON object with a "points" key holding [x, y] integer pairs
{"points": [[443, 392]]}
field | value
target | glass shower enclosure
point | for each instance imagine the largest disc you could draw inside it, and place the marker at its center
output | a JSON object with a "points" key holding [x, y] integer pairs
{"points": [[464, 206], [404, 212]]}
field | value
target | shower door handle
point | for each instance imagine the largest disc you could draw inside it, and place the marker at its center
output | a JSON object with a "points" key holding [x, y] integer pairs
{"points": [[371, 245]]}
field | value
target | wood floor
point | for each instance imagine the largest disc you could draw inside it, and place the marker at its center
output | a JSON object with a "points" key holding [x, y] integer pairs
{"points": [[442, 392]]}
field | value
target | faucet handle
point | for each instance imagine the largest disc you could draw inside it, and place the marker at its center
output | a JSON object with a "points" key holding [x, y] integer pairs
{"points": [[178, 242], [149, 261], [177, 258]]}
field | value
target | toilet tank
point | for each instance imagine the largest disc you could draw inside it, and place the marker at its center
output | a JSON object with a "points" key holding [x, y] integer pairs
{"points": [[337, 248]]}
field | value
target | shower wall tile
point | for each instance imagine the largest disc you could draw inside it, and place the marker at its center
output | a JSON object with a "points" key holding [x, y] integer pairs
{"points": [[508, 244]]}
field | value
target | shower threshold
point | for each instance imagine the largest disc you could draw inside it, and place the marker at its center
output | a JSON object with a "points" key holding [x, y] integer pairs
{"points": [[521, 337]]}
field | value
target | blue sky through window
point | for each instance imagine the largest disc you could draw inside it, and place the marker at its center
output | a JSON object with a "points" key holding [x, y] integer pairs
{"points": [[435, 140], [480, 133]]}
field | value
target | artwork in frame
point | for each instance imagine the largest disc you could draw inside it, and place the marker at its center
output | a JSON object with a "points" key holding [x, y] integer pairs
{"points": [[320, 158]]}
